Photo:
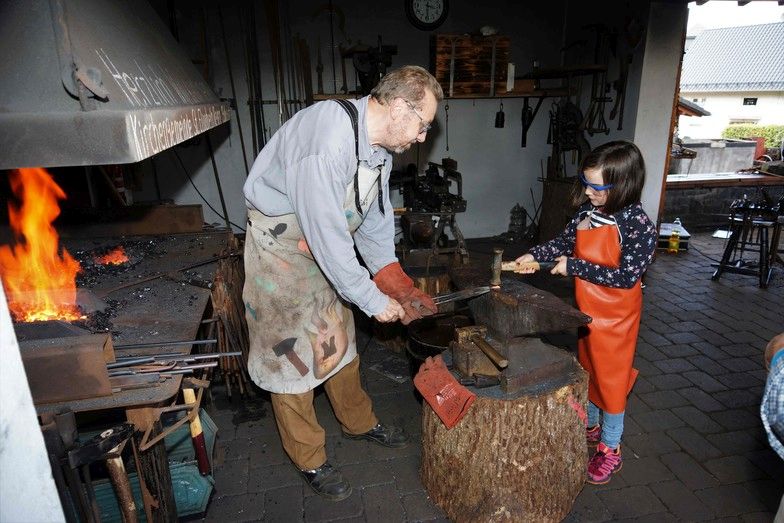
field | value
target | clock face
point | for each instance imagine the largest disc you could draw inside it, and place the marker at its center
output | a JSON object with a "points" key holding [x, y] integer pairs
{"points": [[427, 14]]}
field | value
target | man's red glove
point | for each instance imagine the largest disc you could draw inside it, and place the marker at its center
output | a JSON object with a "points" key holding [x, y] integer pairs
{"points": [[392, 281], [448, 399]]}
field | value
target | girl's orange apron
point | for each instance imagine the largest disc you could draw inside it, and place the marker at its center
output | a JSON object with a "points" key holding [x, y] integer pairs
{"points": [[606, 345]]}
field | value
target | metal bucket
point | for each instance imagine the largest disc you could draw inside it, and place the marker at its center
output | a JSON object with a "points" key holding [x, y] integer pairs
{"points": [[431, 335]]}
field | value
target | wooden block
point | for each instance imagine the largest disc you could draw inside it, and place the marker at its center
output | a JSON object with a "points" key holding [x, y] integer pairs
{"points": [[472, 63]]}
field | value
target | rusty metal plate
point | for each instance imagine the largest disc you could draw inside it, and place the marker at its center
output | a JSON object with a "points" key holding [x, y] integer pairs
{"points": [[64, 369]]}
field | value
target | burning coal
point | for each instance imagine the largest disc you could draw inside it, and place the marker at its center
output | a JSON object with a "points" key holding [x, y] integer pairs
{"points": [[39, 278], [116, 256]]}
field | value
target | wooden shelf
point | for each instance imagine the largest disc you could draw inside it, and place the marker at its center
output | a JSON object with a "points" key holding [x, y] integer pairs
{"points": [[563, 72], [336, 96]]}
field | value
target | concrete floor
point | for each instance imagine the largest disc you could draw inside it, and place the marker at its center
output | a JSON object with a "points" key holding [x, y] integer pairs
{"points": [[694, 447]]}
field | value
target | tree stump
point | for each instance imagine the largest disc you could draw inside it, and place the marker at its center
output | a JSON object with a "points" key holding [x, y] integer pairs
{"points": [[518, 457]]}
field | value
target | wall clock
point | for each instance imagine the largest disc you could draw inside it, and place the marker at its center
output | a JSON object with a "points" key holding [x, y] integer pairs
{"points": [[427, 14]]}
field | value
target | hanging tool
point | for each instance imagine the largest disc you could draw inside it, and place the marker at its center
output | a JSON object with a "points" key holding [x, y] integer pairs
{"points": [[332, 46], [620, 90], [453, 41], [499, 117], [528, 116], [319, 69], [494, 39], [344, 87], [446, 125]]}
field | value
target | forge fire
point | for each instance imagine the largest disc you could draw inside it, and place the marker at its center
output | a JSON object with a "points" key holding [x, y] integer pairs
{"points": [[39, 277]]}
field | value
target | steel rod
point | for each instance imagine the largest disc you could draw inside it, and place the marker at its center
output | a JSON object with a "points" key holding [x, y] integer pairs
{"points": [[164, 344]]}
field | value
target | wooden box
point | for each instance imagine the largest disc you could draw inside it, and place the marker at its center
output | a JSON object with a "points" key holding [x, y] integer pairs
{"points": [[472, 63]]}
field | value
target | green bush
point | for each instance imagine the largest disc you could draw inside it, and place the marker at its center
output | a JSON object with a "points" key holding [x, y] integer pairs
{"points": [[773, 134]]}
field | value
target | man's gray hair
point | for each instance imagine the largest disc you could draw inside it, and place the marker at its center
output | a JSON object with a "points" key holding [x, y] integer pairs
{"points": [[410, 82]]}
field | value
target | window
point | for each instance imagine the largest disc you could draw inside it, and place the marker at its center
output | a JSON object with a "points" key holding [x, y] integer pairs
{"points": [[749, 101]]}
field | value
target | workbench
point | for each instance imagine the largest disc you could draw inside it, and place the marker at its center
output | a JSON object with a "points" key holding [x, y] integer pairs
{"points": [[166, 309]]}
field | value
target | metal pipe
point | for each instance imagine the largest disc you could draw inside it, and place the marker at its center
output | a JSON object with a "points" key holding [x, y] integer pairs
{"points": [[181, 357], [217, 181]]}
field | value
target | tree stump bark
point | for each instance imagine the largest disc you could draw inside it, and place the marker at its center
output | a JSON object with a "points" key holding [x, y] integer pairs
{"points": [[513, 458]]}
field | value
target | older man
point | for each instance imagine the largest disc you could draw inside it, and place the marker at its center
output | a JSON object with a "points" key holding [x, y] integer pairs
{"points": [[318, 189]]}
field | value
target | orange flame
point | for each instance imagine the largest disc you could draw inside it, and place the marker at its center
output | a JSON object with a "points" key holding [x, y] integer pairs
{"points": [[40, 283], [114, 257]]}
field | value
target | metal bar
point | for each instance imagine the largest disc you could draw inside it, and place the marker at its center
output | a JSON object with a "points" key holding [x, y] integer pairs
{"points": [[164, 344], [217, 181], [180, 357], [233, 90]]}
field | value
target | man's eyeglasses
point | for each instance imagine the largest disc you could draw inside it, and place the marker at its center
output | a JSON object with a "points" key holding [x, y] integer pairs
{"points": [[425, 127], [594, 186]]}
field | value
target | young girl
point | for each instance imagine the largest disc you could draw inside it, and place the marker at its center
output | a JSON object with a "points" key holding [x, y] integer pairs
{"points": [[607, 247]]}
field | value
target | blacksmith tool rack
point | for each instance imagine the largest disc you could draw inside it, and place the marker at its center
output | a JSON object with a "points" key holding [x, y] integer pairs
{"points": [[750, 225]]}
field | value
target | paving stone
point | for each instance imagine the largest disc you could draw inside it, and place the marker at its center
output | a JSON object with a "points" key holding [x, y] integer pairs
{"points": [[635, 405], [767, 460], [419, 507], [231, 478], [768, 491], [738, 398], [736, 419], [284, 504], [738, 380], [633, 501], [267, 450], [704, 381], [630, 426], [648, 443], [246, 507], [238, 448], [682, 337], [758, 517], [738, 350], [711, 350], [711, 337], [669, 382], [657, 420], [642, 385], [674, 365], [716, 326], [733, 469], [320, 509], [368, 474], [730, 500], [406, 474], [697, 419], [645, 367], [649, 352], [745, 337], [643, 471], [693, 443], [689, 471], [679, 350], [735, 442], [701, 399], [656, 340], [382, 503], [664, 399], [685, 326], [681, 501], [741, 364], [273, 476], [588, 507], [706, 364]]}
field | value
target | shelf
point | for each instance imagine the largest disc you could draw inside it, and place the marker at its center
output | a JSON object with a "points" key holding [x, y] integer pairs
{"points": [[536, 93], [336, 96], [563, 72]]}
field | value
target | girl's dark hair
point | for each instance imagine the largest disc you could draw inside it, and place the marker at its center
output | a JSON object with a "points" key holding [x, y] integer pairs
{"points": [[621, 165]]}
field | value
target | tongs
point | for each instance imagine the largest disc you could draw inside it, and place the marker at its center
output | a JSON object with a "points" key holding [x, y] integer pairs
{"points": [[461, 295]]}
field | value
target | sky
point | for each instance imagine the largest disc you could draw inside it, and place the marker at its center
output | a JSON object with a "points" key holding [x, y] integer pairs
{"points": [[715, 14]]}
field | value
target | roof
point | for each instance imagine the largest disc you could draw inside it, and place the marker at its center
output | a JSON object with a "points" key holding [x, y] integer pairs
{"points": [[690, 108], [746, 58]]}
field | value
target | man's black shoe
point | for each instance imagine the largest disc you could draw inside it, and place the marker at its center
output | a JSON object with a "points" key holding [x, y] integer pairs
{"points": [[328, 482], [385, 435]]}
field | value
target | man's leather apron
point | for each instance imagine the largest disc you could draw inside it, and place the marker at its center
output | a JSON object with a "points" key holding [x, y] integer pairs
{"points": [[301, 332], [606, 345]]}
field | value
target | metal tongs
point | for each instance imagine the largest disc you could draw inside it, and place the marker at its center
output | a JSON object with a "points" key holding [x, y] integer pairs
{"points": [[461, 295]]}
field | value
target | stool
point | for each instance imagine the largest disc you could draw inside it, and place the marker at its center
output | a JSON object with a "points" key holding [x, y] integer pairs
{"points": [[748, 234]]}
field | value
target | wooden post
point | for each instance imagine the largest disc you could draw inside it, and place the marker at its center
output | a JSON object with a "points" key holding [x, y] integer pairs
{"points": [[512, 458]]}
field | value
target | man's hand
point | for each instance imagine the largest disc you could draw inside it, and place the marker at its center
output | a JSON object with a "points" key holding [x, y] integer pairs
{"points": [[393, 312], [395, 283], [560, 266]]}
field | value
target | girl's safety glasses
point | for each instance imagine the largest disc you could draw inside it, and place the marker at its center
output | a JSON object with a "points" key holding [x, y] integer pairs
{"points": [[593, 186]]}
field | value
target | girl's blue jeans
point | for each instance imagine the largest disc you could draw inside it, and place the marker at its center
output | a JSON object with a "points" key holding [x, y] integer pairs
{"points": [[612, 425]]}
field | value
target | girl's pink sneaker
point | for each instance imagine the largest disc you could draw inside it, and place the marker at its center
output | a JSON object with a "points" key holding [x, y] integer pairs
{"points": [[604, 463]]}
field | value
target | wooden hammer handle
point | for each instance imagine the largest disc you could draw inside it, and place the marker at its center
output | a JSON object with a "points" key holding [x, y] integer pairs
{"points": [[535, 265], [490, 352]]}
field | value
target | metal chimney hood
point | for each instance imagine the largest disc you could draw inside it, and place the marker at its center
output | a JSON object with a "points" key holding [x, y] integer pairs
{"points": [[90, 82]]}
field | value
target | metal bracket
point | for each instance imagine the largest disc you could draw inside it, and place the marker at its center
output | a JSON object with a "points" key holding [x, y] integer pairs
{"points": [[192, 410]]}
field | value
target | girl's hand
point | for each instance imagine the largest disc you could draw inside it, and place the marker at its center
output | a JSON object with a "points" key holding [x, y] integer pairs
{"points": [[525, 258], [560, 267]]}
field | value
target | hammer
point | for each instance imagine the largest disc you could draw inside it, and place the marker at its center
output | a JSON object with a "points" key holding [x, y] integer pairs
{"points": [[286, 348]]}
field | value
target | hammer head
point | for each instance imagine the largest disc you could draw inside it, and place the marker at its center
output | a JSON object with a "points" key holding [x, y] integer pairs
{"points": [[284, 347]]}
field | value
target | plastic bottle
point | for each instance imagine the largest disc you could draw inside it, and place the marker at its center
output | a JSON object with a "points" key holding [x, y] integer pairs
{"points": [[674, 242]]}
